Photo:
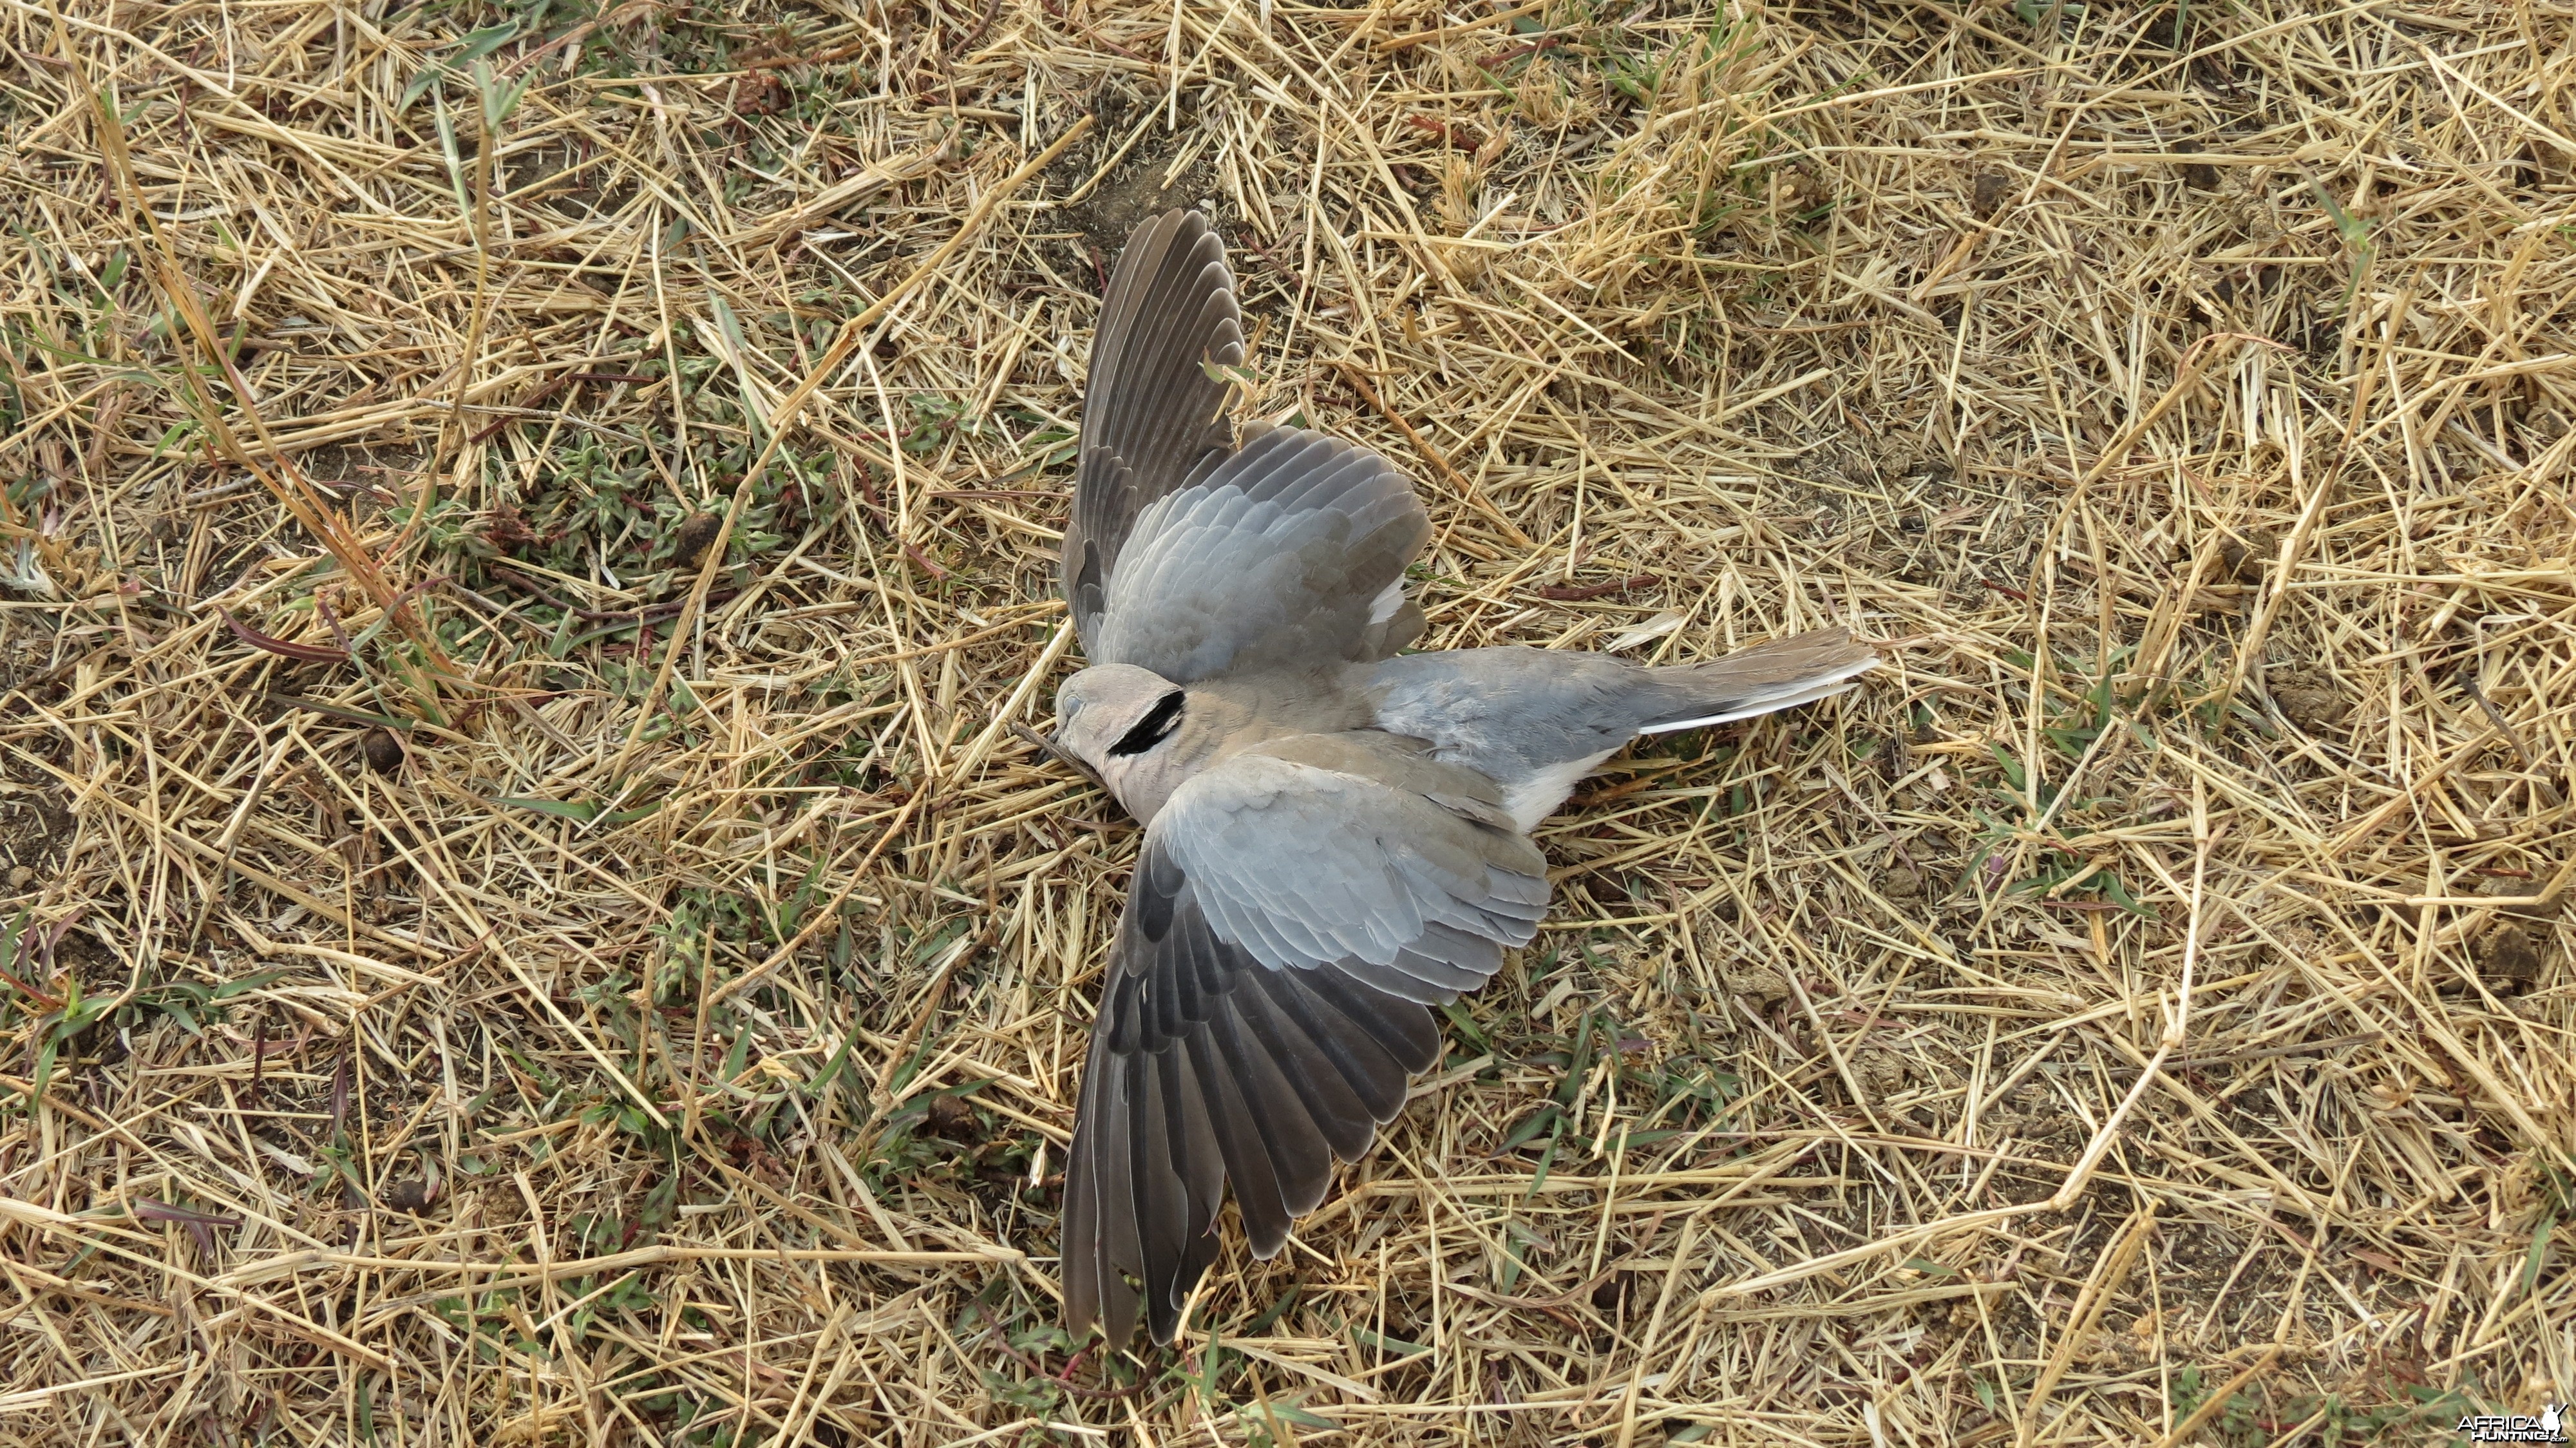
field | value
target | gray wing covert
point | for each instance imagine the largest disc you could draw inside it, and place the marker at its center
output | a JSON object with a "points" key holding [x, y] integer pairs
{"points": [[1188, 556], [1288, 554], [1293, 913]]}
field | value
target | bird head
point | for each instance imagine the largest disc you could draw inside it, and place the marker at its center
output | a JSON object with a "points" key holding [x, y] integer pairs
{"points": [[1117, 721]]}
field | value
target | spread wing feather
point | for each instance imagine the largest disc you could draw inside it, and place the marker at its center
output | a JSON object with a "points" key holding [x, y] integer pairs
{"points": [[1151, 411], [1190, 557], [1287, 554], [1295, 911]]}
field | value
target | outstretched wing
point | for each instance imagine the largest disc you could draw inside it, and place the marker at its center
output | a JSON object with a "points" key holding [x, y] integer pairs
{"points": [[1151, 410], [1288, 554], [1188, 557], [1294, 913]]}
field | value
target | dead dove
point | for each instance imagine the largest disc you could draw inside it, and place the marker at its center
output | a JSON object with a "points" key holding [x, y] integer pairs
{"points": [[1336, 833]]}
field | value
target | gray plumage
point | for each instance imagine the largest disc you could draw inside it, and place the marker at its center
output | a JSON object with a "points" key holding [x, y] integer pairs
{"points": [[1280, 556], [1336, 835]]}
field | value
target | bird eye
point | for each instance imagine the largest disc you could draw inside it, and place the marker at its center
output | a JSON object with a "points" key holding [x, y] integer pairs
{"points": [[1155, 727]]}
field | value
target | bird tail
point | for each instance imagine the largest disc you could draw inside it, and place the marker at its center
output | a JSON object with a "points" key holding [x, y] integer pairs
{"points": [[1781, 674]]}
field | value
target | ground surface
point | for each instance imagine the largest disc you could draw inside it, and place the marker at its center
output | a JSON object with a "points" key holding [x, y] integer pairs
{"points": [[435, 1014]]}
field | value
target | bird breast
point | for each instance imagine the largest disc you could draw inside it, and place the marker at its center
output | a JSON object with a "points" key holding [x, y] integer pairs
{"points": [[1226, 716]]}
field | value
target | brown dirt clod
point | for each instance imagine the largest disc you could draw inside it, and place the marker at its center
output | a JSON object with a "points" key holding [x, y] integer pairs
{"points": [[384, 751]]}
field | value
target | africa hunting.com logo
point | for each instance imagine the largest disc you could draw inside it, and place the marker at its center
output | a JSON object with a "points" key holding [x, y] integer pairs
{"points": [[2549, 1427]]}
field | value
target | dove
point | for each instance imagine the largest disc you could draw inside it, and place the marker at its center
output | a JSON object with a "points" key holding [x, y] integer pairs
{"points": [[1336, 832]]}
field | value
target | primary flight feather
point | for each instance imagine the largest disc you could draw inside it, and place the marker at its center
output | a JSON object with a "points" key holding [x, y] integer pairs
{"points": [[1336, 835]]}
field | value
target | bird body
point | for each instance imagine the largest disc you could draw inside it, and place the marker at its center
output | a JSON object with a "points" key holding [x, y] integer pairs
{"points": [[1336, 833]]}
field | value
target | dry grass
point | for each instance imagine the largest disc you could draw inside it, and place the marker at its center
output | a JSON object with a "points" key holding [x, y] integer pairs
{"points": [[2104, 1028]]}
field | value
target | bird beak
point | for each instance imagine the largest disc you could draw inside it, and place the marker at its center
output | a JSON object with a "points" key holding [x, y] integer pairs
{"points": [[1046, 744]]}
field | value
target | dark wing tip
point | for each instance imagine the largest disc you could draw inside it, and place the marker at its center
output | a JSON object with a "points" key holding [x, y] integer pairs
{"points": [[1152, 413], [1207, 1068]]}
